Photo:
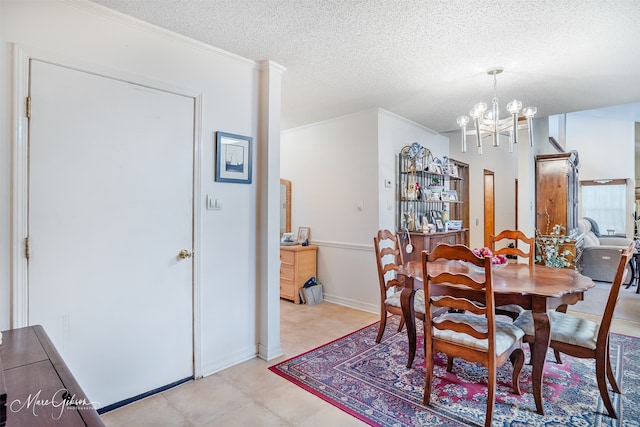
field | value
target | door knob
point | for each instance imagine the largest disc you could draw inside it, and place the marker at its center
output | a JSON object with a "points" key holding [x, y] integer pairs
{"points": [[184, 254]]}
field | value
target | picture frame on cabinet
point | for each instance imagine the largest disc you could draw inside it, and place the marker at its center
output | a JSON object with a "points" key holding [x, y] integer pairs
{"points": [[303, 235], [233, 158], [439, 225], [435, 217]]}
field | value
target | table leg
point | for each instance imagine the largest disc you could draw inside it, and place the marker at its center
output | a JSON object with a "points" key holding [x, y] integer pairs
{"points": [[406, 302], [539, 353]]}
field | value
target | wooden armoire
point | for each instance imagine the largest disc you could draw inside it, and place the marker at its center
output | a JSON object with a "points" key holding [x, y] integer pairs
{"points": [[557, 190]]}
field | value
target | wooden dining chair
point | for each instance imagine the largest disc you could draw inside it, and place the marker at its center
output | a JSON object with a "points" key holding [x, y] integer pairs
{"points": [[585, 339], [470, 331], [388, 258], [517, 236]]}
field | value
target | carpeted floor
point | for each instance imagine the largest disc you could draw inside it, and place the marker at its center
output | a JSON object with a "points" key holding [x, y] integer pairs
{"points": [[370, 381]]}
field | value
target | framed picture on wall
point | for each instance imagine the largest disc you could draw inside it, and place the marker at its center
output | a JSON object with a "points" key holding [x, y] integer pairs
{"points": [[233, 158]]}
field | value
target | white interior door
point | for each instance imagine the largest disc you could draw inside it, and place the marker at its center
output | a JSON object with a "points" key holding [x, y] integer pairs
{"points": [[110, 208]]}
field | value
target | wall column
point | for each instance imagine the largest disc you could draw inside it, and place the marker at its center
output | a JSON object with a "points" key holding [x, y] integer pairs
{"points": [[268, 216]]}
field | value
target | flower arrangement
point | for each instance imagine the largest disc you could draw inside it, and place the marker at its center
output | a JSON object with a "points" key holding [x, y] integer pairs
{"points": [[486, 252], [549, 248]]}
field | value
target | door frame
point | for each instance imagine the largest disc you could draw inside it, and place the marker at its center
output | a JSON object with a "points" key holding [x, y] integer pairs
{"points": [[489, 202], [18, 262]]}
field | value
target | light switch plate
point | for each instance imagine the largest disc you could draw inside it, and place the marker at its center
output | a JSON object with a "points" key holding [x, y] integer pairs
{"points": [[213, 204]]}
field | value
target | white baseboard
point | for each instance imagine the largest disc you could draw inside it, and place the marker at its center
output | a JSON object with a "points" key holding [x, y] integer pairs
{"points": [[370, 308]]}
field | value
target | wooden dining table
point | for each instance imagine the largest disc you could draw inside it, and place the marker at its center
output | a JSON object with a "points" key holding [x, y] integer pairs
{"points": [[537, 288]]}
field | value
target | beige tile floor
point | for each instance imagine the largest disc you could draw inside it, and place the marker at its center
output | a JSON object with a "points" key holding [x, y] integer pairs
{"points": [[250, 395]]}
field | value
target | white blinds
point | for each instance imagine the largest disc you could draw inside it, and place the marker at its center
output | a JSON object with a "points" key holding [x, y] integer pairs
{"points": [[606, 204]]}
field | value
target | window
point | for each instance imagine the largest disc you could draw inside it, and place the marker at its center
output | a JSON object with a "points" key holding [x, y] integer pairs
{"points": [[604, 201]]}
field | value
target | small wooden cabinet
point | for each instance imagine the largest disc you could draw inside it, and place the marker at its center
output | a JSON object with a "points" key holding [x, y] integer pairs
{"points": [[297, 265]]}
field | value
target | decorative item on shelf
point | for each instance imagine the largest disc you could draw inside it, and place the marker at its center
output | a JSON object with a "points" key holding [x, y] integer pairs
{"points": [[436, 184], [453, 170], [411, 221], [490, 124], [417, 155], [455, 224], [425, 225], [445, 165], [549, 248], [412, 193], [436, 219], [434, 168]]}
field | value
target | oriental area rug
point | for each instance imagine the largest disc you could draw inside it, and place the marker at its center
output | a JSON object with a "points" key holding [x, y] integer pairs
{"points": [[371, 382]]}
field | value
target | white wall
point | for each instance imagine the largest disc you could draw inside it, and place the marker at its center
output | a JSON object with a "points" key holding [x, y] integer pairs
{"points": [[333, 168], [86, 33], [394, 132], [606, 146], [504, 165], [334, 165]]}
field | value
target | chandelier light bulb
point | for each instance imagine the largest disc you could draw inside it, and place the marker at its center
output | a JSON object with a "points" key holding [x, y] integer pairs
{"points": [[529, 112], [481, 107], [463, 121], [514, 106]]}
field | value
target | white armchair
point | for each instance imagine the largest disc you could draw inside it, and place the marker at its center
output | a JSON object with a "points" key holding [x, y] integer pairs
{"points": [[601, 255]]}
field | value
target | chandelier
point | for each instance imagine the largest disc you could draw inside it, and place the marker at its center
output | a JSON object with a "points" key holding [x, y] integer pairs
{"points": [[488, 123]]}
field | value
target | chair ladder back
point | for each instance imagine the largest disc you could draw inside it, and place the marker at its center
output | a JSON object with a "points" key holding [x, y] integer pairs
{"points": [[614, 292], [465, 328], [458, 284], [459, 304], [516, 236], [387, 258], [393, 244]]}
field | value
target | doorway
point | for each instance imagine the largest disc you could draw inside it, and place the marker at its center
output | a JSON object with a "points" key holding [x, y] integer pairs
{"points": [[110, 208], [489, 207]]}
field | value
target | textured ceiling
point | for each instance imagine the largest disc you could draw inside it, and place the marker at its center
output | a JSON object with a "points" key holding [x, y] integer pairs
{"points": [[422, 59]]}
